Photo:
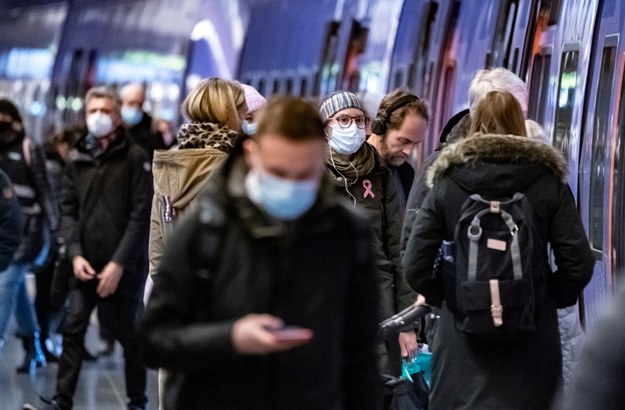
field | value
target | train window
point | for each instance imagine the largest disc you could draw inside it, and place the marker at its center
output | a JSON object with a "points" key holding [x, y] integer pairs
{"points": [[276, 86], [599, 142], [261, 86], [502, 41], [356, 46], [538, 87], [289, 86], [515, 60], [618, 216], [418, 67], [398, 80], [303, 87], [327, 76], [565, 100]]}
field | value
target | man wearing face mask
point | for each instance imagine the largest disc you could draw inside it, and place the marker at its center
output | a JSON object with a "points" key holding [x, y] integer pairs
{"points": [[269, 247], [359, 173], [139, 122], [107, 191]]}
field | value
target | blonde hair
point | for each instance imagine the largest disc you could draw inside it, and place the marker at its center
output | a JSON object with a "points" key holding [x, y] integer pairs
{"points": [[214, 100], [498, 112]]}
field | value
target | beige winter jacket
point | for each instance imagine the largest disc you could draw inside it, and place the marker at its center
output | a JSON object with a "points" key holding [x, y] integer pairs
{"points": [[179, 175]]}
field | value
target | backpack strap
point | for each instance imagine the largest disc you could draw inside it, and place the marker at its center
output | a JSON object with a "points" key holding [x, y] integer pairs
{"points": [[211, 221], [474, 233]]}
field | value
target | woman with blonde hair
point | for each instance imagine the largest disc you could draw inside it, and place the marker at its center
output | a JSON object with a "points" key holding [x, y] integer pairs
{"points": [[496, 161], [216, 108]]}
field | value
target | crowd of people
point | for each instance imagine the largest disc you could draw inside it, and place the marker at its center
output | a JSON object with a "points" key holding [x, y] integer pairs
{"points": [[269, 242]]}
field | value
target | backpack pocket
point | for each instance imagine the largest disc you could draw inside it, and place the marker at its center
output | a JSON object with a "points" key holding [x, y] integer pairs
{"points": [[498, 309]]}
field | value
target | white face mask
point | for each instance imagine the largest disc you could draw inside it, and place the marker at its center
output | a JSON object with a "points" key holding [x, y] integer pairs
{"points": [[99, 124], [346, 141]]}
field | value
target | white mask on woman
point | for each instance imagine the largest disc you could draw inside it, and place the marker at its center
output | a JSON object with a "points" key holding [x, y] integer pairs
{"points": [[346, 141]]}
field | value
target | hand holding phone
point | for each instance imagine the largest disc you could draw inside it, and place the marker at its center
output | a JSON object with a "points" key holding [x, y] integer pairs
{"points": [[289, 333]]}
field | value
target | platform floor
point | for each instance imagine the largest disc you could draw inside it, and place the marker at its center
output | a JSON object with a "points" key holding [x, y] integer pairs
{"points": [[101, 385]]}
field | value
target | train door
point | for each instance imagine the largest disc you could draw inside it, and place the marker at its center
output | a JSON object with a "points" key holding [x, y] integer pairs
{"points": [[600, 193], [572, 48], [442, 76], [537, 59]]}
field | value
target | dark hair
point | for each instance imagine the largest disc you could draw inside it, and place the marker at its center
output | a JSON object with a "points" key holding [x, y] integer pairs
{"points": [[291, 118], [395, 120], [8, 107], [498, 112]]}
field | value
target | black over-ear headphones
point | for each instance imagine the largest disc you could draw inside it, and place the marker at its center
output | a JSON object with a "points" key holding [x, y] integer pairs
{"points": [[378, 126]]}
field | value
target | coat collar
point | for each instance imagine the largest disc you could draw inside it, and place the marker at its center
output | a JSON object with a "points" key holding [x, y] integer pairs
{"points": [[500, 149]]}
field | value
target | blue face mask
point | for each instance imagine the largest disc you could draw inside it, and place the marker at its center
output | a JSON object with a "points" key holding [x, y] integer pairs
{"points": [[281, 198], [131, 116], [249, 128]]}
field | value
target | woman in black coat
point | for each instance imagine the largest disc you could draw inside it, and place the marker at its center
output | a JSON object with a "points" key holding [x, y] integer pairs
{"points": [[516, 374]]}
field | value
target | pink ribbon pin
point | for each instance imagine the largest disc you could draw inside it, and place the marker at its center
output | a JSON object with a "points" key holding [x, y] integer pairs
{"points": [[367, 185]]}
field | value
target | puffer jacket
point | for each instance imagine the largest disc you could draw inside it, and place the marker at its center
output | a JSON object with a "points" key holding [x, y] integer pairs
{"points": [[518, 374]]}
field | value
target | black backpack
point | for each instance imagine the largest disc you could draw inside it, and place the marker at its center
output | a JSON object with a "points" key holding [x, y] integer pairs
{"points": [[500, 268]]}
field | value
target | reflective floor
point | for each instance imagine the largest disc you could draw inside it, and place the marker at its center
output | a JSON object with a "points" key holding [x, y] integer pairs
{"points": [[101, 385]]}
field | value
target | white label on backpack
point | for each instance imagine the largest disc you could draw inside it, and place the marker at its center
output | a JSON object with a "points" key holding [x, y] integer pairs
{"points": [[496, 244]]}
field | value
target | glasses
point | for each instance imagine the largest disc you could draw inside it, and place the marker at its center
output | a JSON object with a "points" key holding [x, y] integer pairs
{"points": [[345, 121]]}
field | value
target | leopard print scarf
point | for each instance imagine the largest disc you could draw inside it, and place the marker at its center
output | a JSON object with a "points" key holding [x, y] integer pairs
{"points": [[206, 135]]}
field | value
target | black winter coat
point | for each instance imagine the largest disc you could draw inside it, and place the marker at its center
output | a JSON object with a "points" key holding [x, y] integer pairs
{"points": [[384, 211], [24, 164], [106, 209], [525, 373], [316, 272]]}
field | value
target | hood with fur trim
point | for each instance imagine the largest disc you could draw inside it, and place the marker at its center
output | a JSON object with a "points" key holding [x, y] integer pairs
{"points": [[486, 160]]}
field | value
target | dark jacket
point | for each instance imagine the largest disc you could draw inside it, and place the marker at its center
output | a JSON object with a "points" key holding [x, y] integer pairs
{"points": [[146, 136], [403, 175], [599, 375], [106, 209], [10, 221], [525, 373], [24, 164], [456, 128], [315, 272], [384, 212]]}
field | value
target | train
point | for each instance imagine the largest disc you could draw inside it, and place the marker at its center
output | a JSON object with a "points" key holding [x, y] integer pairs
{"points": [[568, 51]]}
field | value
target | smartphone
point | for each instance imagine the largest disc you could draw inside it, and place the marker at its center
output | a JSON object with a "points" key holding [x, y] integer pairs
{"points": [[292, 333]]}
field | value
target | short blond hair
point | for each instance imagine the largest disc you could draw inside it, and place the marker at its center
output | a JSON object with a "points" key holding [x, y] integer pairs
{"points": [[214, 100]]}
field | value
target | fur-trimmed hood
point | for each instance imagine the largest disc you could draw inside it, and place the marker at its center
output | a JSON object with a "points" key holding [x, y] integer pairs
{"points": [[519, 160]]}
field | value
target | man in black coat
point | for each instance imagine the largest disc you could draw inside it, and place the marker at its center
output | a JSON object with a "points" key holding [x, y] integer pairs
{"points": [[270, 246], [105, 220]]}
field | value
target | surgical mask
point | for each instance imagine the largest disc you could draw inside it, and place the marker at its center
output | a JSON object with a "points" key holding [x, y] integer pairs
{"points": [[99, 124], [248, 127], [346, 141], [281, 198], [131, 116]]}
